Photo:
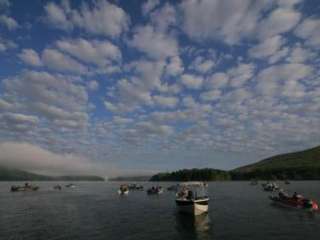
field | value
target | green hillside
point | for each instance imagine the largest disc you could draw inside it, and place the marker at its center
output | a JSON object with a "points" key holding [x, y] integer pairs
{"points": [[298, 165], [8, 174], [303, 165]]}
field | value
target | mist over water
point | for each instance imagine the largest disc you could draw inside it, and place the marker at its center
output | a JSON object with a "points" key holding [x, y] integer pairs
{"points": [[95, 211]]}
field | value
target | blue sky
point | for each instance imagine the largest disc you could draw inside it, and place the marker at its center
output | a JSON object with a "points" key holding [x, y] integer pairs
{"points": [[136, 87]]}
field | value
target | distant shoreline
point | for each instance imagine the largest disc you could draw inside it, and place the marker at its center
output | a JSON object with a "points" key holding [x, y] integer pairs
{"points": [[8, 174]]}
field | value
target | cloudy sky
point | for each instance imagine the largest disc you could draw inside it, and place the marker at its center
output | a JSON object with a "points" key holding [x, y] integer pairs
{"points": [[128, 87]]}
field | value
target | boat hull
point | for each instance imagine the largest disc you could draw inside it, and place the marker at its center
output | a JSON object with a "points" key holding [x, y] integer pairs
{"points": [[293, 204], [123, 192], [195, 207]]}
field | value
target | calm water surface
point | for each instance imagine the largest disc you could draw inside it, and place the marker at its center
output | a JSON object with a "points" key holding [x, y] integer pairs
{"points": [[95, 211]]}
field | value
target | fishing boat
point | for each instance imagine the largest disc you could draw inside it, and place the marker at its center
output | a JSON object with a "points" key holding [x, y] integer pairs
{"points": [[123, 190], [155, 190], [70, 185], [270, 187], [192, 198], [57, 187], [135, 187], [296, 201], [26, 188]]}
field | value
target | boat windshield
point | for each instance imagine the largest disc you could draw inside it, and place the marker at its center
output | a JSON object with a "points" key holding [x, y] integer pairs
{"points": [[198, 190]]}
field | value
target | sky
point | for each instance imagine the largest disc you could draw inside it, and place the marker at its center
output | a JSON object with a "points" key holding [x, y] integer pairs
{"points": [[136, 87]]}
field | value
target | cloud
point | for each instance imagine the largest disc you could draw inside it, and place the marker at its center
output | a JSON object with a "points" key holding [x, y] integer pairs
{"points": [[93, 85], [280, 20], [282, 79], [165, 18], [56, 60], [202, 65], [50, 96], [149, 5], [235, 20], [4, 4], [30, 57], [8, 22], [267, 48], [174, 66], [149, 128], [300, 54], [156, 45], [33, 158], [4, 105], [210, 95], [227, 20], [163, 101], [102, 18], [240, 74], [6, 44], [56, 16], [309, 30], [192, 81], [17, 122], [217, 80], [100, 53]]}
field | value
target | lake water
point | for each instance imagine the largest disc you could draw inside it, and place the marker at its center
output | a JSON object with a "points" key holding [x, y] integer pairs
{"points": [[95, 211]]}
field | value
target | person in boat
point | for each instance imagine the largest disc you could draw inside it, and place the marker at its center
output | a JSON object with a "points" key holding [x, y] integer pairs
{"points": [[190, 195], [295, 196]]}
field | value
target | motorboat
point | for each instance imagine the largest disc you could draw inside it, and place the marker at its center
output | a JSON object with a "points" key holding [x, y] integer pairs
{"points": [[123, 190], [57, 187], [135, 187], [270, 187], [26, 188], [70, 185], [192, 198], [155, 190], [296, 201]]}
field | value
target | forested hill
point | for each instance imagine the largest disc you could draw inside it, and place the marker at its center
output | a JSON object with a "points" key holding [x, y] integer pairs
{"points": [[131, 178], [302, 165], [7, 174], [206, 174], [297, 165]]}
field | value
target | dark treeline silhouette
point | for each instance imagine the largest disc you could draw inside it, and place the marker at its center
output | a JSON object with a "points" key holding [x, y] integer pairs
{"points": [[205, 174], [302, 165]]}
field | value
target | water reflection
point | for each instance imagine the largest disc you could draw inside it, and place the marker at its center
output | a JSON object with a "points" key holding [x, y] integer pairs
{"points": [[193, 227]]}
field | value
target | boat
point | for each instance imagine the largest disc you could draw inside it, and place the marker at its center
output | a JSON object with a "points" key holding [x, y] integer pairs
{"points": [[270, 187], [57, 187], [70, 185], [123, 190], [192, 198], [135, 187], [296, 201], [26, 188], [155, 190], [286, 182]]}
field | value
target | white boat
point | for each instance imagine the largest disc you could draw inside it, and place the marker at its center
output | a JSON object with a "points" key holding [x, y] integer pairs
{"points": [[192, 198], [123, 190], [70, 185]]}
